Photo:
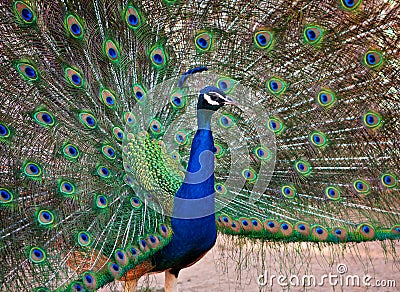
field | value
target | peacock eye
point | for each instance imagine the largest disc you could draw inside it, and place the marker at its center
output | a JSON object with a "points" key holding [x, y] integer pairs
{"points": [[214, 97]]}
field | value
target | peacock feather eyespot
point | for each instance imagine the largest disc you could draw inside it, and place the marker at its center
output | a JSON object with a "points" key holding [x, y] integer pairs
{"points": [[318, 139], [37, 255], [272, 226], [366, 231], [6, 196], [326, 98], [111, 50], [226, 121], [27, 71], [121, 257], [118, 134], [84, 238], [303, 228], [66, 188], [73, 77], [361, 187], [24, 12], [32, 170], [263, 39], [88, 120], [44, 118], [108, 98], [337, 231], [225, 220], [176, 156], [158, 57], [249, 174], [275, 125], [133, 252], [143, 245], [396, 229], [219, 150], [289, 191], [103, 172], [108, 152], [114, 270], [319, 233], [45, 217], [74, 26], [263, 153], [133, 18], [313, 34], [156, 128], [181, 138], [89, 281], [286, 228], [139, 93], [256, 224], [203, 41], [4, 131], [303, 167], [276, 86], [350, 5], [178, 99], [226, 84], [136, 202], [76, 287], [389, 180], [245, 224], [340, 233], [71, 152], [220, 188], [129, 118], [153, 241], [333, 193], [236, 227], [101, 201], [373, 59], [372, 120], [163, 229]]}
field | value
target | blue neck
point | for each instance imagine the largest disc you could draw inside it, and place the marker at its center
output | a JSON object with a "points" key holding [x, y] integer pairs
{"points": [[193, 221], [204, 119], [195, 197]]}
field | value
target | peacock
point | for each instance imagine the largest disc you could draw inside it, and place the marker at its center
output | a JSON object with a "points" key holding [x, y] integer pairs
{"points": [[133, 132]]}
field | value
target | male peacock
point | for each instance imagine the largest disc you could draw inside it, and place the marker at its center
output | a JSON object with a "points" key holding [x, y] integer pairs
{"points": [[107, 157]]}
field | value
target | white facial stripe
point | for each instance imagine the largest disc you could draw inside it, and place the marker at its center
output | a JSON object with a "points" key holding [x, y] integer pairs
{"points": [[220, 96], [208, 99]]}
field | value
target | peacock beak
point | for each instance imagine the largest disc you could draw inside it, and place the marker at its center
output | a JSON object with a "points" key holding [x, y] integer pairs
{"points": [[231, 101]]}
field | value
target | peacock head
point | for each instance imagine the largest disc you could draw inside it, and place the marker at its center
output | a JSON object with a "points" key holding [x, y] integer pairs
{"points": [[213, 98]]}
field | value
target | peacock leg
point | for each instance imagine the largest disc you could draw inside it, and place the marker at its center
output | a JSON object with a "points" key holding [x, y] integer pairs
{"points": [[171, 281]]}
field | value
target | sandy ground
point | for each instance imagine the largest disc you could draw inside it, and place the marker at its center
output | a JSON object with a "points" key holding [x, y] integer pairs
{"points": [[229, 268]]}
